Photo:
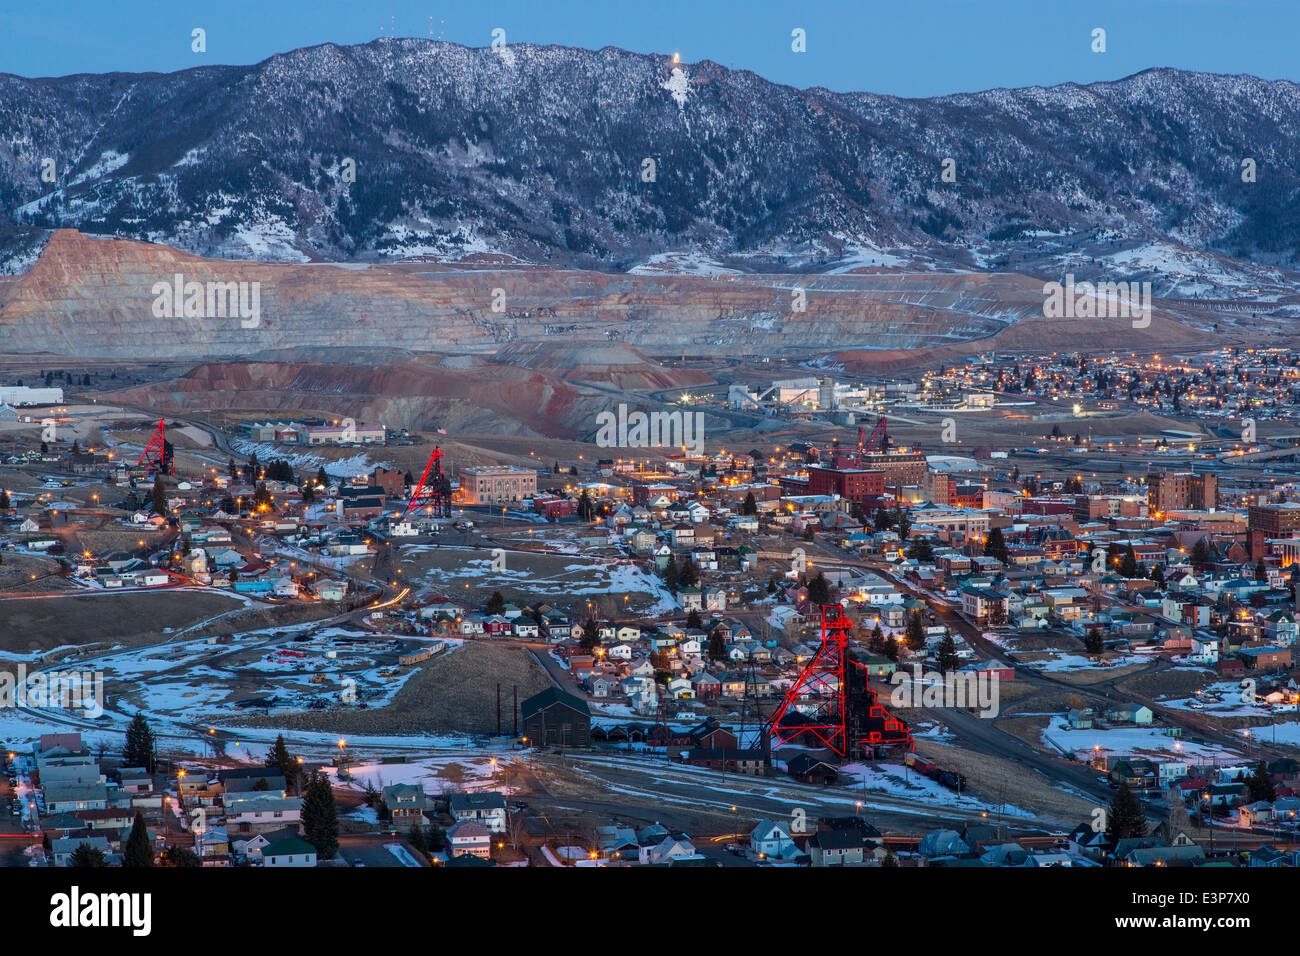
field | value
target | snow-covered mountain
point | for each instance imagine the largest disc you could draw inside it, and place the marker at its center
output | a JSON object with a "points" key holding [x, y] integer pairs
{"points": [[621, 161]]}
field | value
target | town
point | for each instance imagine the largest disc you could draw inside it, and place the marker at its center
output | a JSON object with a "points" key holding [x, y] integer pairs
{"points": [[975, 617]]}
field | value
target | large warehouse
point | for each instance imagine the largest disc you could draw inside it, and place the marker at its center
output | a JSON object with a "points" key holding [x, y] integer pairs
{"points": [[17, 395]]}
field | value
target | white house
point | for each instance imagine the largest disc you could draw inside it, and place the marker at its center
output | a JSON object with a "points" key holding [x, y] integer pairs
{"points": [[771, 839], [291, 851], [488, 808]]}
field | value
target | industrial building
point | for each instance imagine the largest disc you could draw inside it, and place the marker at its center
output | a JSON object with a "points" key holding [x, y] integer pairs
{"points": [[19, 395]]}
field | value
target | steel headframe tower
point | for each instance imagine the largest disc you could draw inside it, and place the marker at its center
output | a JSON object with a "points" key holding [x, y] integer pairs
{"points": [[431, 491], [814, 704], [157, 454], [865, 444], [830, 703]]}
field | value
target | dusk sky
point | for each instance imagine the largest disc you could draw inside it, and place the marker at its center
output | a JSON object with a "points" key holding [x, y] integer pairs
{"points": [[908, 48]]}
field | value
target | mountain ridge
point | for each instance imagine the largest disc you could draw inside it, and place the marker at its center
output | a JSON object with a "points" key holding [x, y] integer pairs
{"points": [[538, 152]]}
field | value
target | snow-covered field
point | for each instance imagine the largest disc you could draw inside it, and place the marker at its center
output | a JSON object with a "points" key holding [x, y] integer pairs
{"points": [[1146, 741], [358, 464]]}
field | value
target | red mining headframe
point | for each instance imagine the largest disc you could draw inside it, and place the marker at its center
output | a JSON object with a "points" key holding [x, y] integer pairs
{"points": [[830, 705], [432, 491], [865, 445], [157, 455]]}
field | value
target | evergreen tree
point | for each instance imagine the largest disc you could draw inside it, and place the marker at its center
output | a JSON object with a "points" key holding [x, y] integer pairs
{"points": [[1158, 575], [819, 591], [590, 635], [996, 546], [915, 634], [417, 839], [322, 479], [670, 574], [496, 604], [947, 656], [891, 649], [876, 642], [1125, 819], [1259, 785], [586, 508], [137, 850], [158, 497], [750, 506], [921, 550], [4, 500], [139, 750], [263, 496], [180, 856], [87, 855], [285, 762], [1092, 642], [693, 620], [1128, 564], [320, 817], [717, 647], [687, 576]]}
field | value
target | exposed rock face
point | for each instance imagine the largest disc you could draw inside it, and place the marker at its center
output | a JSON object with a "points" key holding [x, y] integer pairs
{"points": [[96, 296]]}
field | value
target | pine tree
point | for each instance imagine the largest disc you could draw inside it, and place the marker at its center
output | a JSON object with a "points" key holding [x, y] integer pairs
{"points": [[139, 750], [915, 631], [417, 839], [921, 550], [717, 647], [1128, 565], [876, 642], [693, 620], [819, 591], [158, 497], [87, 855], [1125, 819], [750, 506], [1259, 785], [137, 850], [320, 817], [670, 574], [4, 500], [688, 577], [947, 656], [996, 545], [180, 856], [1092, 642], [282, 760], [590, 636]]}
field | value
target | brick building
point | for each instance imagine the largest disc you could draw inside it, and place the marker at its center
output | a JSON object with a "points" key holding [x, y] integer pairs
{"points": [[1271, 521], [1182, 491], [496, 484], [852, 484]]}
